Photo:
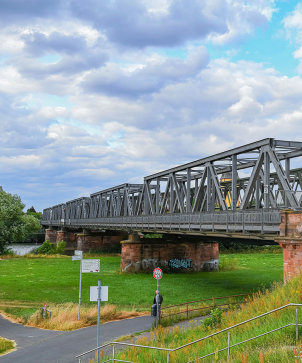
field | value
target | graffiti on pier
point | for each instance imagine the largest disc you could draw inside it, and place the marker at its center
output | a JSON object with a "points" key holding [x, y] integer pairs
{"points": [[183, 263]]}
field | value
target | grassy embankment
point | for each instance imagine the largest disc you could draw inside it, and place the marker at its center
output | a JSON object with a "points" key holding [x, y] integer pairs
{"points": [[276, 347], [28, 282]]}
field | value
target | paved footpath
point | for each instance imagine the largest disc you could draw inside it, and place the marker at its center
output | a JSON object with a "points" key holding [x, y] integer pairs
{"points": [[48, 346]]}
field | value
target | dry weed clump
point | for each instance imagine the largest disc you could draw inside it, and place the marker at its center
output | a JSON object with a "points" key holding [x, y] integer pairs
{"points": [[65, 316], [6, 345]]}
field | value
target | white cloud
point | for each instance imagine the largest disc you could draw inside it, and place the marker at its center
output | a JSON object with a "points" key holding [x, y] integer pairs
{"points": [[115, 106], [293, 27], [242, 19]]}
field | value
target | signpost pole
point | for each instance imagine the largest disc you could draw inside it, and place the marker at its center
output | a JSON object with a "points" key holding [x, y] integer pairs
{"points": [[157, 274], [99, 320], [80, 288], [157, 302]]}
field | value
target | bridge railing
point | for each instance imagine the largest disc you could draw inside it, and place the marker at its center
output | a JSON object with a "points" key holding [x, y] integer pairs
{"points": [[247, 221]]}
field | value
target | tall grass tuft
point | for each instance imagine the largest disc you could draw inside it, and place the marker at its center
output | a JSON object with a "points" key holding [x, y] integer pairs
{"points": [[65, 316], [6, 345]]}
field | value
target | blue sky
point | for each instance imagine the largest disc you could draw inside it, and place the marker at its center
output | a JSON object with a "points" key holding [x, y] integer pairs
{"points": [[97, 93]]}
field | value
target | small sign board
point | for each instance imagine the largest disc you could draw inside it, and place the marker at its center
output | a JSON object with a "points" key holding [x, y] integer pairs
{"points": [[90, 265], [94, 293], [157, 273], [76, 258], [78, 253]]}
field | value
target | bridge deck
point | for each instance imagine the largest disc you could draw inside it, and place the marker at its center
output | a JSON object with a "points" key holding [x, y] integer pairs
{"points": [[256, 224]]}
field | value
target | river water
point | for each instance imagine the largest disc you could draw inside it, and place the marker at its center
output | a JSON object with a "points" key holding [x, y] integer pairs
{"points": [[23, 248]]}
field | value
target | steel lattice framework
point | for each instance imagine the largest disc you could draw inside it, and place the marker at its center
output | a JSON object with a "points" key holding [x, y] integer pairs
{"points": [[251, 180]]}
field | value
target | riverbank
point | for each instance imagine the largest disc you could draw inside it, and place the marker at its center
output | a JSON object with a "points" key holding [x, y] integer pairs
{"points": [[21, 249]]}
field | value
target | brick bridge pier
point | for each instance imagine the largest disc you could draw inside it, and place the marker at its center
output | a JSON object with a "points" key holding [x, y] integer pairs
{"points": [[291, 241]]}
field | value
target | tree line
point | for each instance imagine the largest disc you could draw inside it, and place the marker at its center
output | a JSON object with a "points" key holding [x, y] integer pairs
{"points": [[15, 225]]}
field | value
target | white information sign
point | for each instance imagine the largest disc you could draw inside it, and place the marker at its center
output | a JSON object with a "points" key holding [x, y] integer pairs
{"points": [[78, 253], [91, 265], [76, 258], [94, 293]]}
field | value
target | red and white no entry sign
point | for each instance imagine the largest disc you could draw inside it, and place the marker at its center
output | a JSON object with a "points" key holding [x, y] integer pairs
{"points": [[157, 273]]}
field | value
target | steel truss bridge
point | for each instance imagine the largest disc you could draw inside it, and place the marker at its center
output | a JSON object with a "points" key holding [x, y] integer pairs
{"points": [[239, 192]]}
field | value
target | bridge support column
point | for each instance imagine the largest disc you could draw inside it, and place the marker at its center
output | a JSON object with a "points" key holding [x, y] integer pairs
{"points": [[105, 241], [184, 256], [291, 241], [69, 237], [51, 235]]}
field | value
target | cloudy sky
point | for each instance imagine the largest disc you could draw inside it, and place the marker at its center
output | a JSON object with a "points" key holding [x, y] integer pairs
{"points": [[97, 93]]}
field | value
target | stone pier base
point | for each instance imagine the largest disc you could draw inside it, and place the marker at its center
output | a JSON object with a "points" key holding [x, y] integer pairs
{"points": [[51, 235], [86, 240], [69, 237], [146, 254], [89, 241]]}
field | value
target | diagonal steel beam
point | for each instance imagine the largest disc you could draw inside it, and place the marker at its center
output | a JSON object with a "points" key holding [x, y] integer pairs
{"points": [[149, 197], [283, 178], [217, 187], [252, 181], [180, 201], [164, 200], [197, 195]]}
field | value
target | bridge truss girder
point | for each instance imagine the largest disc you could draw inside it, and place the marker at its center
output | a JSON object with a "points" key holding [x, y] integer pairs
{"points": [[213, 183], [253, 176]]}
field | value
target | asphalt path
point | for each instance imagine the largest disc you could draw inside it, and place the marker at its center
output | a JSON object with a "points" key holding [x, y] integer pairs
{"points": [[47, 346]]}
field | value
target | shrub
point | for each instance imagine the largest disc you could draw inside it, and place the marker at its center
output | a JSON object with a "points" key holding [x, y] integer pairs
{"points": [[48, 248], [214, 319], [60, 248]]}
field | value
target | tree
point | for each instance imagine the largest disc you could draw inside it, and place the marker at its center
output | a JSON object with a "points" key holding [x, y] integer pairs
{"points": [[32, 212], [15, 226]]}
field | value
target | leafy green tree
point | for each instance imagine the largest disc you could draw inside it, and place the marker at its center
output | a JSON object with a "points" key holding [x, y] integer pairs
{"points": [[32, 212], [15, 226]]}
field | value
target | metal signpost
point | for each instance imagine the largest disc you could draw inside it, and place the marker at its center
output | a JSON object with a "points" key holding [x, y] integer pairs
{"points": [[78, 256], [99, 293], [157, 274], [85, 266]]}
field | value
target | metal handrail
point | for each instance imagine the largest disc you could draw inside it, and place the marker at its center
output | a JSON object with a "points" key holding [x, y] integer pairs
{"points": [[243, 341], [196, 301], [186, 304], [169, 350]]}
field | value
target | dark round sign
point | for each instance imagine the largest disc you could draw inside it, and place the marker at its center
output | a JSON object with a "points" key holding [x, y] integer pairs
{"points": [[157, 273]]}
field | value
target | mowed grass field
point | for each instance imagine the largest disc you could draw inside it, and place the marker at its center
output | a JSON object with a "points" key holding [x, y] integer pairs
{"points": [[34, 280]]}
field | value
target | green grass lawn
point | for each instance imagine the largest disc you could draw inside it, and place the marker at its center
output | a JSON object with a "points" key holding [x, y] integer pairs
{"points": [[56, 280]]}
